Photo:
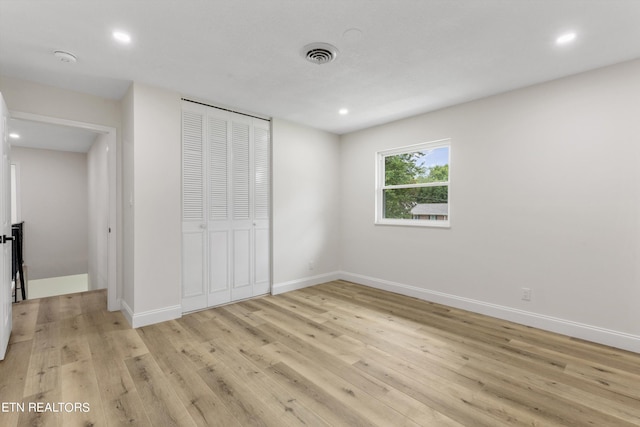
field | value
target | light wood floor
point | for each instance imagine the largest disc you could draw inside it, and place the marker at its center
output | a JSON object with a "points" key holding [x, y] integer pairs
{"points": [[336, 354]]}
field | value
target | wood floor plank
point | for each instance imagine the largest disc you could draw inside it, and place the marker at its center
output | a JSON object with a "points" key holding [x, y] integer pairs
{"points": [[271, 401], [192, 347], [74, 350], [70, 305], [408, 407], [241, 329], [43, 374], [94, 301], [559, 389], [246, 314], [204, 407], [370, 408], [396, 400], [237, 397], [41, 415], [159, 400], [80, 395], [335, 354], [128, 343], [48, 310], [316, 334], [25, 315], [13, 371], [120, 399], [550, 407], [331, 409], [281, 404], [446, 401], [405, 344]]}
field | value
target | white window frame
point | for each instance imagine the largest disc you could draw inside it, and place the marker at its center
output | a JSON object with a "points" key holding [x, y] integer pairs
{"points": [[380, 185]]}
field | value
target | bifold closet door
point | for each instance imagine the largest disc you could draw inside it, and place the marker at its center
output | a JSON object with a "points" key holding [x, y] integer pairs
{"points": [[261, 208], [218, 177], [226, 252], [194, 230], [250, 211]]}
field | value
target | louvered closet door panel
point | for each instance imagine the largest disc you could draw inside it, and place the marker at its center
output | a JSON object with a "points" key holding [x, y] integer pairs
{"points": [[194, 237], [262, 177], [218, 171], [218, 177], [241, 224], [192, 167], [261, 193], [241, 170]]}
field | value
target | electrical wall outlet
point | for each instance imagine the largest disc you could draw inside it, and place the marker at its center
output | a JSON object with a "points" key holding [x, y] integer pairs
{"points": [[312, 265], [526, 294]]}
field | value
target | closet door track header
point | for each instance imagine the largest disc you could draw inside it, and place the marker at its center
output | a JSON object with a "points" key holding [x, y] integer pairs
{"points": [[226, 109]]}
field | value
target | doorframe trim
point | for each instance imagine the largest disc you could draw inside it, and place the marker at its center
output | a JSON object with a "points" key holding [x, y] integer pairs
{"points": [[113, 301]]}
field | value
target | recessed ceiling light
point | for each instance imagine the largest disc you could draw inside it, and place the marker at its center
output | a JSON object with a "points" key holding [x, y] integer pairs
{"points": [[14, 135], [566, 38], [122, 37], [343, 111]]}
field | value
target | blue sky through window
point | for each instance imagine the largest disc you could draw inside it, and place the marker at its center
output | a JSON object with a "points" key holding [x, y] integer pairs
{"points": [[435, 157]]}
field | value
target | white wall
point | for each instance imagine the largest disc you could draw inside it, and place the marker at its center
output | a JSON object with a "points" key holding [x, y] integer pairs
{"points": [[544, 194], [98, 213], [306, 184], [53, 196], [152, 183]]}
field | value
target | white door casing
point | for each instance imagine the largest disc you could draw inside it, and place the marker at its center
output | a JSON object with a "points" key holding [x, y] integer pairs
{"points": [[111, 233]]}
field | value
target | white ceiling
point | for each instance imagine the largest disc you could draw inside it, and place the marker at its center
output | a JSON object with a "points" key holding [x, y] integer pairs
{"points": [[49, 136], [408, 57]]}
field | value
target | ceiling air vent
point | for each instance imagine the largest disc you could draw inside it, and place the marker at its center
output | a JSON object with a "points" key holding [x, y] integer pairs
{"points": [[320, 53]]}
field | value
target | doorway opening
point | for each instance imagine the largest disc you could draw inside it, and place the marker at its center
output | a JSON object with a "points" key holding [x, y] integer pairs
{"points": [[70, 170]]}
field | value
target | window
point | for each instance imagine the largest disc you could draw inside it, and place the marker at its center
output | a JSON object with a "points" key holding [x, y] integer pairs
{"points": [[412, 185]]}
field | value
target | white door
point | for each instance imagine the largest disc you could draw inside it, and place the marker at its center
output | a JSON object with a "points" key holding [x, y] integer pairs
{"points": [[261, 191], [5, 224], [218, 177], [226, 189], [194, 226]]}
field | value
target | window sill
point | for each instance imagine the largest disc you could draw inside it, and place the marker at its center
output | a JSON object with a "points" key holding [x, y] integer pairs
{"points": [[414, 223]]}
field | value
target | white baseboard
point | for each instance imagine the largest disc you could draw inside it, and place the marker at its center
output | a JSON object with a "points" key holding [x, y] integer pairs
{"points": [[137, 320], [292, 285], [591, 333], [127, 312]]}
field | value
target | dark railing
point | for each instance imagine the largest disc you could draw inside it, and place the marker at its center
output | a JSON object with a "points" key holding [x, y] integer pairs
{"points": [[17, 272]]}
